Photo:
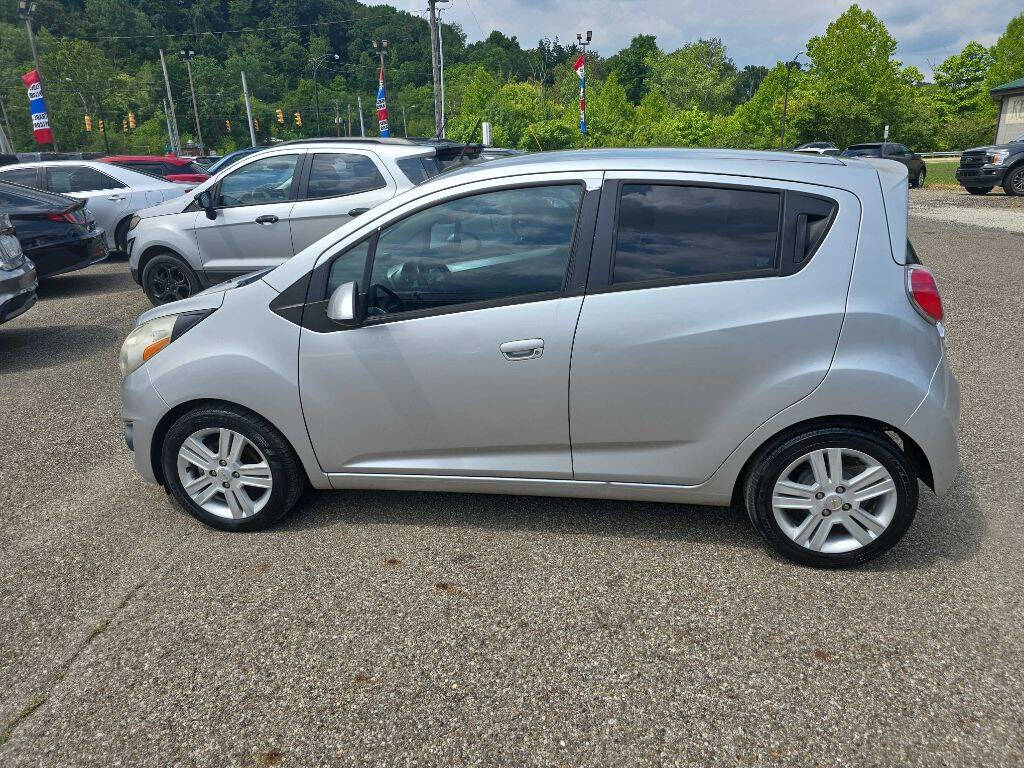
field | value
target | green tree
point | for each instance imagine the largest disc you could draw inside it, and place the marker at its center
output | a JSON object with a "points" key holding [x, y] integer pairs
{"points": [[632, 66], [1007, 55], [698, 75]]}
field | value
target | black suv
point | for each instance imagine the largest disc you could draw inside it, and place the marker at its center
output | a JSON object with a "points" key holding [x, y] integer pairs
{"points": [[890, 150], [982, 169]]}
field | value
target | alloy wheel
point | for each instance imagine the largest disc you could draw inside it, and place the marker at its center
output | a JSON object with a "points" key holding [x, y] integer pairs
{"points": [[1017, 181], [834, 500], [224, 473], [169, 283]]}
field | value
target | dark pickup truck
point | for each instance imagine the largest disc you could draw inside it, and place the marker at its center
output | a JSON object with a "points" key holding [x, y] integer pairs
{"points": [[982, 169]]}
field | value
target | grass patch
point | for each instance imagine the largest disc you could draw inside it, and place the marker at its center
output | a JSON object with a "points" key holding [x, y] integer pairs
{"points": [[942, 172]]}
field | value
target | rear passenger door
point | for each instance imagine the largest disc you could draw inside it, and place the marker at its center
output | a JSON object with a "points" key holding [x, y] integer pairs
{"points": [[712, 304], [334, 185]]}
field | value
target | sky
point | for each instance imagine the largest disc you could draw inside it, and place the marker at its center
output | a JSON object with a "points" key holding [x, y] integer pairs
{"points": [[754, 31]]}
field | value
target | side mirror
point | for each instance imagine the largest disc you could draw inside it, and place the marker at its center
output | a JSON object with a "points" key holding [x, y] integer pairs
{"points": [[344, 307], [205, 201]]}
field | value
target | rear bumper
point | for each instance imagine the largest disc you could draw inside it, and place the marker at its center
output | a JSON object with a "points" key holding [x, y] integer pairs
{"points": [[981, 176], [935, 424], [64, 257], [17, 290]]}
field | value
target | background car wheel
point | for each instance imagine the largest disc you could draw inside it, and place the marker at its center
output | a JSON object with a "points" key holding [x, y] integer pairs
{"points": [[918, 181], [121, 236], [167, 278], [979, 190], [230, 468], [832, 497], [1013, 184]]}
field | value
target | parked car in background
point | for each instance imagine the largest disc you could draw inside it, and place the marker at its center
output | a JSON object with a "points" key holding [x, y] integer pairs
{"points": [[18, 280], [818, 148], [888, 150], [272, 204], [719, 324], [231, 158], [984, 168], [204, 161], [112, 194], [166, 167], [55, 232]]}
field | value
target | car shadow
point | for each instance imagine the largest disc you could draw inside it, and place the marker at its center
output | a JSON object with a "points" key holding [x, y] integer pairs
{"points": [[39, 347], [945, 530], [83, 283]]}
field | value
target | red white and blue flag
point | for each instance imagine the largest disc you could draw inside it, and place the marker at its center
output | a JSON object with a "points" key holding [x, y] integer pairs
{"points": [[40, 120], [580, 68], [382, 107]]}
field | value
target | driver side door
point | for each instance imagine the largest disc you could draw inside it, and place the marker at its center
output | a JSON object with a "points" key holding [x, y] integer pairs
{"points": [[252, 229]]}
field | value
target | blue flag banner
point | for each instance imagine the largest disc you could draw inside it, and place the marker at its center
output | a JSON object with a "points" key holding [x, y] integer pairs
{"points": [[382, 107], [580, 68]]}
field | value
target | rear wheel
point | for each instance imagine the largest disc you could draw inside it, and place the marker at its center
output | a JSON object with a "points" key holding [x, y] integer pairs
{"points": [[832, 497], [168, 278], [230, 468], [1013, 183], [979, 190], [121, 236], [918, 180]]}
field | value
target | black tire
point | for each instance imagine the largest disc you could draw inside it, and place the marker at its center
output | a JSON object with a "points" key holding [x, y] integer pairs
{"points": [[776, 457], [1013, 181], [288, 477], [121, 236], [918, 181], [167, 277], [979, 190]]}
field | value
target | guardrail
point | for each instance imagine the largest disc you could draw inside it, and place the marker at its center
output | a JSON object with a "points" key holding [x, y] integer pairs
{"points": [[941, 154]]}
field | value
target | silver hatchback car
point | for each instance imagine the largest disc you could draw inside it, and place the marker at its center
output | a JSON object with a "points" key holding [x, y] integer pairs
{"points": [[687, 326]]}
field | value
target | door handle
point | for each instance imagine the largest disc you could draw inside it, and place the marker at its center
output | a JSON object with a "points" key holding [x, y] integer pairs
{"points": [[116, 197], [357, 212], [524, 349], [267, 218]]}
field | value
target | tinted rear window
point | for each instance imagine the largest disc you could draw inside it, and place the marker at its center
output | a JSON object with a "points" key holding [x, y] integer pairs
{"points": [[670, 232], [35, 199], [25, 176], [419, 169]]}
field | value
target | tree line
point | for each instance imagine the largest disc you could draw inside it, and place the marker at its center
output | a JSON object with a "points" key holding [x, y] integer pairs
{"points": [[100, 57]]}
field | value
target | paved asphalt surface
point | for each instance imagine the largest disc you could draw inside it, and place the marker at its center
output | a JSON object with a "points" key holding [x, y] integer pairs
{"points": [[421, 629]]}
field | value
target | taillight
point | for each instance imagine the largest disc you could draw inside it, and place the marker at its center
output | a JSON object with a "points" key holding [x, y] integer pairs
{"points": [[924, 293], [71, 216]]}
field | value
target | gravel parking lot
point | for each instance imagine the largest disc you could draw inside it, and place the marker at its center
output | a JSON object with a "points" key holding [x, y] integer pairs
{"points": [[422, 629]]}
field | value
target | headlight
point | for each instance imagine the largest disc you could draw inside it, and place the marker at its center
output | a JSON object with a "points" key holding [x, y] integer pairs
{"points": [[151, 337], [997, 158], [134, 222]]}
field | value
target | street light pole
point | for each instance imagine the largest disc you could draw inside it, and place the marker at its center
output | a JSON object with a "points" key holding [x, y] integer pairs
{"points": [[187, 54], [785, 99], [25, 10], [435, 64], [317, 63]]}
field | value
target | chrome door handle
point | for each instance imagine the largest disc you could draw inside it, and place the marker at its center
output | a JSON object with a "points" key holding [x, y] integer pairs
{"points": [[267, 218], [525, 349], [116, 197]]}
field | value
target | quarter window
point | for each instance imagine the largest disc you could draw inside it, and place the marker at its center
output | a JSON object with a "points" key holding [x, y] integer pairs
{"points": [[348, 267], [335, 175], [267, 180], [677, 232], [77, 178], [494, 245], [24, 176]]}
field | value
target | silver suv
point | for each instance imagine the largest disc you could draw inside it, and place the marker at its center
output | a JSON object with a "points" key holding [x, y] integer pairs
{"points": [[687, 326], [272, 204]]}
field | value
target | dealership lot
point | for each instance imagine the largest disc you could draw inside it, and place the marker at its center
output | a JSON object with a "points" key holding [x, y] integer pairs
{"points": [[401, 628]]}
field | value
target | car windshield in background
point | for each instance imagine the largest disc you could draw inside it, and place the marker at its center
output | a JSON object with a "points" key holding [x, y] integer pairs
{"points": [[874, 151], [419, 169]]}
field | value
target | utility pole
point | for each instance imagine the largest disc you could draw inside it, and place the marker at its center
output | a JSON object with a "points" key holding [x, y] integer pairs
{"points": [[435, 62], [175, 136], [348, 127], [248, 110], [337, 120], [405, 123], [359, 104], [188, 53], [25, 10], [7, 120], [170, 131], [317, 63], [785, 100]]}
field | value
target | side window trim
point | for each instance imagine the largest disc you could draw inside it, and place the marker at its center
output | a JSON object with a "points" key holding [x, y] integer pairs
{"points": [[314, 316]]}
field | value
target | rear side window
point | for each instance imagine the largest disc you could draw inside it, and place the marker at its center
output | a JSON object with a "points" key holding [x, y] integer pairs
{"points": [[25, 176], [419, 169], [673, 232], [78, 178], [336, 175]]}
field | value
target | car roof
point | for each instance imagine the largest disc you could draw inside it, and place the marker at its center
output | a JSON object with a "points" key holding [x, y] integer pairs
{"points": [[400, 147], [172, 159], [110, 169]]}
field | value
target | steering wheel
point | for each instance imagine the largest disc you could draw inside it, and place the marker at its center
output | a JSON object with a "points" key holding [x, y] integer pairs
{"points": [[393, 304], [419, 275]]}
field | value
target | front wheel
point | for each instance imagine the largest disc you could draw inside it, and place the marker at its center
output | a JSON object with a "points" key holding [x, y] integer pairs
{"points": [[918, 180], [168, 278], [979, 190], [1013, 184], [230, 468], [832, 497]]}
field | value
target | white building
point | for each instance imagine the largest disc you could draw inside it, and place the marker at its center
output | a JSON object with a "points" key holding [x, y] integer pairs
{"points": [[1011, 110]]}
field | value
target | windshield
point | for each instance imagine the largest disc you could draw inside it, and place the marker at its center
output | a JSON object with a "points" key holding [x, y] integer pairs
{"points": [[862, 152]]}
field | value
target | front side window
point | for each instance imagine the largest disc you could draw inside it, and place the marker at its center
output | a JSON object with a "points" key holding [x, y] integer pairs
{"points": [[24, 176], [267, 180], [493, 245], [668, 232], [78, 178], [335, 175]]}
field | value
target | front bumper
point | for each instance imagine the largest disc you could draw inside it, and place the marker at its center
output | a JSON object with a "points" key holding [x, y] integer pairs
{"points": [[981, 175], [17, 290], [141, 411]]}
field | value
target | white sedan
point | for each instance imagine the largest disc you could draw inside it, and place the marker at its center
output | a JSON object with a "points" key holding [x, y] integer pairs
{"points": [[112, 194]]}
